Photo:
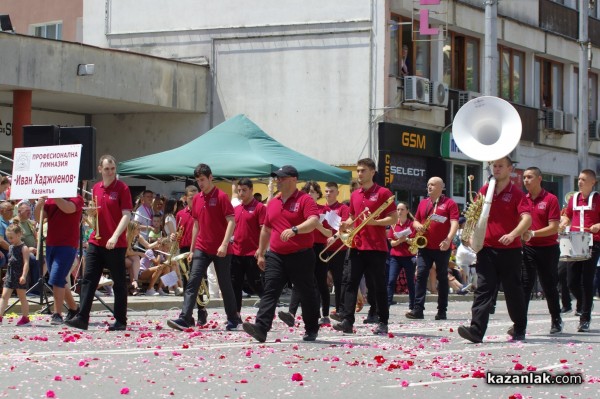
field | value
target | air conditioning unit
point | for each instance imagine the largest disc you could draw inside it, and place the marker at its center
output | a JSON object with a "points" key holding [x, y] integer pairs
{"points": [[554, 119], [416, 89], [438, 94], [569, 126], [466, 96], [594, 131]]}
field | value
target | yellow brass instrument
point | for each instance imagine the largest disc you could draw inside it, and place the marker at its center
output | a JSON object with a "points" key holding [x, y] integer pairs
{"points": [[419, 240], [348, 236], [203, 295], [93, 221], [472, 214]]}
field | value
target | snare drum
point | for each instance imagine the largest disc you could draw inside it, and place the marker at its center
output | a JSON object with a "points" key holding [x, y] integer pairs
{"points": [[575, 246]]}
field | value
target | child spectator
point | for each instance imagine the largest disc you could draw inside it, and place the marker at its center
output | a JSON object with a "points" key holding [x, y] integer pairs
{"points": [[18, 268]]}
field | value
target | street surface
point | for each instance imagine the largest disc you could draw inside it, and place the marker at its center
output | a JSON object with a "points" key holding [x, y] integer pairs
{"points": [[420, 359]]}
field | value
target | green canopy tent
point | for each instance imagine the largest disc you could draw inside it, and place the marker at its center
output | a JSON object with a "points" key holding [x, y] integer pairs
{"points": [[235, 148]]}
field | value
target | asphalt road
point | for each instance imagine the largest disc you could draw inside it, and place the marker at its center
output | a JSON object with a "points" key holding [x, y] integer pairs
{"points": [[420, 359]]}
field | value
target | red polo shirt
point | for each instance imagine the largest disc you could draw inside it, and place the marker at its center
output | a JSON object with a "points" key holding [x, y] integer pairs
{"points": [[184, 219], [284, 215], [371, 238], [63, 228], [401, 249], [318, 236], [248, 222], [589, 217], [343, 211], [437, 232], [210, 210], [544, 209], [505, 214], [112, 200]]}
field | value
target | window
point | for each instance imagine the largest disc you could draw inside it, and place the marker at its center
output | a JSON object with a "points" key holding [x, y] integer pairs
{"points": [[407, 58], [511, 74], [461, 62], [592, 94], [49, 31], [548, 84], [460, 182]]}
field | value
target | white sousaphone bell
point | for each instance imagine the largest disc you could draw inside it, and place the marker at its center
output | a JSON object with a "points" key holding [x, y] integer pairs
{"points": [[486, 129]]}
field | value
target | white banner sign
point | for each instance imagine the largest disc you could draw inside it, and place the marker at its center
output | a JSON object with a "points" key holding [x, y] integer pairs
{"points": [[46, 171]]}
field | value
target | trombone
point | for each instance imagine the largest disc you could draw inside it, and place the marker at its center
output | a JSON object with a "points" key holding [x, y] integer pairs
{"points": [[347, 237]]}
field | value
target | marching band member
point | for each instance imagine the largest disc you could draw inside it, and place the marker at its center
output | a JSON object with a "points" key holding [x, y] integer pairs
{"points": [[439, 236], [583, 214], [541, 250], [500, 258], [249, 219], [291, 218], [400, 256], [370, 251], [214, 223], [113, 199], [336, 264]]}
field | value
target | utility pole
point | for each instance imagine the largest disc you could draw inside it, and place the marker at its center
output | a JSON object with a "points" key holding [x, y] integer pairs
{"points": [[490, 67], [584, 63]]}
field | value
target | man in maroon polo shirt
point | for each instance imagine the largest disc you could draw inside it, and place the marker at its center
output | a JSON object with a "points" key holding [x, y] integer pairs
{"points": [[439, 236], [62, 240], [249, 219], [500, 258], [113, 199], [291, 218], [370, 249], [541, 250], [583, 214], [214, 223]]}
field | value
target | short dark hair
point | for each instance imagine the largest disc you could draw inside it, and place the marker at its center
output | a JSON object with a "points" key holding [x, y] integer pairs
{"points": [[147, 192], [315, 187], [202, 170], [368, 162], [536, 171], [331, 184], [246, 182], [590, 173]]}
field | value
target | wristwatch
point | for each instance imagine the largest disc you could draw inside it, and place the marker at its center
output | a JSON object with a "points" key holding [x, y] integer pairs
{"points": [[295, 229]]}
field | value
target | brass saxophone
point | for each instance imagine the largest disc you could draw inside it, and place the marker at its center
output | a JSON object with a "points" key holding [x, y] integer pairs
{"points": [[419, 240], [203, 294]]}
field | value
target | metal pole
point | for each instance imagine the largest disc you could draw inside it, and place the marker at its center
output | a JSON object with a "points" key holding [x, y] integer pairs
{"points": [[583, 125], [490, 68]]}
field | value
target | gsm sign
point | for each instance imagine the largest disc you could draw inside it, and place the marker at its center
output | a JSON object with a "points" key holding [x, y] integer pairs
{"points": [[413, 140]]}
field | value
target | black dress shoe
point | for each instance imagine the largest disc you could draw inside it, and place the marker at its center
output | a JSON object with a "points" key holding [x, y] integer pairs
{"points": [[584, 326], [371, 319], [441, 316], [518, 337], [566, 310], [312, 336], [337, 317], [344, 327], [415, 315], [288, 318], [382, 329], [556, 326], [77, 322], [255, 332], [511, 331], [467, 334], [117, 326]]}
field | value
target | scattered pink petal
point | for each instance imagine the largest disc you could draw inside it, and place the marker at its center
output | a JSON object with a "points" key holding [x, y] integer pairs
{"points": [[57, 378], [297, 377], [202, 379], [257, 366], [243, 381], [77, 377], [50, 394], [404, 383], [563, 360], [515, 396], [531, 368], [125, 391], [519, 366]]}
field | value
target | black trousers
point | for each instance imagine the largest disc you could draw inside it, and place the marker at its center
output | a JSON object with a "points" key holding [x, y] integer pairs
{"points": [[96, 260], [581, 282], [245, 267], [200, 263], [542, 262], [425, 260], [299, 267], [345, 282], [336, 266], [496, 265], [322, 289], [372, 265], [564, 269]]}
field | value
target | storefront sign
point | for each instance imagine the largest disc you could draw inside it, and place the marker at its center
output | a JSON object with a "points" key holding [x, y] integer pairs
{"points": [[402, 172], [408, 140], [6, 128], [450, 150]]}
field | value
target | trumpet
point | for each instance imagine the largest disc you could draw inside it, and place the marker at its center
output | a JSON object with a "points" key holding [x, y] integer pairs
{"points": [[348, 236]]}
